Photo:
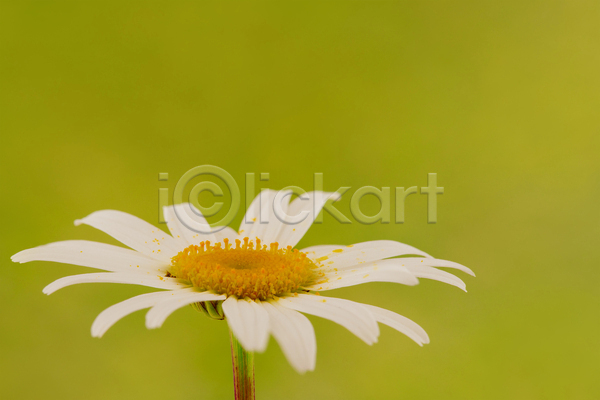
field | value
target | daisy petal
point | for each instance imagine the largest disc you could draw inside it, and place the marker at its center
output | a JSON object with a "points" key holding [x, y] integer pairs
{"points": [[93, 255], [409, 261], [352, 316], [260, 219], [225, 232], [434, 262], [399, 323], [309, 204], [295, 335], [248, 321], [365, 252], [153, 280], [314, 252], [437, 275], [134, 232], [186, 224], [350, 277], [159, 313], [114, 313]]}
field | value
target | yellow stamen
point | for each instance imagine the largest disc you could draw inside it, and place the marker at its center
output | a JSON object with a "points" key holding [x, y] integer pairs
{"points": [[246, 270]]}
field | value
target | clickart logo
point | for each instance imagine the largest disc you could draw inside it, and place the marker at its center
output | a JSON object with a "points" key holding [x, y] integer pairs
{"points": [[277, 202]]}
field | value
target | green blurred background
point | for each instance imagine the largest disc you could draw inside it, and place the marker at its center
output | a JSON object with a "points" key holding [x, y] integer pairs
{"points": [[499, 98]]}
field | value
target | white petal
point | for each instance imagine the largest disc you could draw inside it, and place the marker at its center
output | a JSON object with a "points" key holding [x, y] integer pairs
{"points": [[434, 262], [365, 252], [295, 335], [144, 279], [159, 313], [314, 252], [363, 274], [437, 275], [406, 262], [92, 254], [352, 316], [321, 249], [310, 205], [222, 232], [135, 233], [186, 224], [114, 313], [398, 270], [399, 323], [260, 219], [189, 224], [248, 321]]}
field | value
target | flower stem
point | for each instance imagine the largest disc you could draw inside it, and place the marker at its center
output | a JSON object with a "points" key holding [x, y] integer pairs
{"points": [[243, 370]]}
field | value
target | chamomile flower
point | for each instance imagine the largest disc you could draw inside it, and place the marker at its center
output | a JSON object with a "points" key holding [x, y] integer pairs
{"points": [[254, 278]]}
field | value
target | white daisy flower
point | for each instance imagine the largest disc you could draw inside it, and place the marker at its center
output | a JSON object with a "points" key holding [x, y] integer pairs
{"points": [[254, 278]]}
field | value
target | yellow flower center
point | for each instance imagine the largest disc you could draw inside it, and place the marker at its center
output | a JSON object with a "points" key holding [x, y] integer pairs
{"points": [[246, 270]]}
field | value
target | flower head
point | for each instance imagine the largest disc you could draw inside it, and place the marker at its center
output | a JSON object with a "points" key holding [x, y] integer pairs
{"points": [[257, 272], [254, 277]]}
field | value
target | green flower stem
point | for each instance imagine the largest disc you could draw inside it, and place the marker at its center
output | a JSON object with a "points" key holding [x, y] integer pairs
{"points": [[243, 370]]}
